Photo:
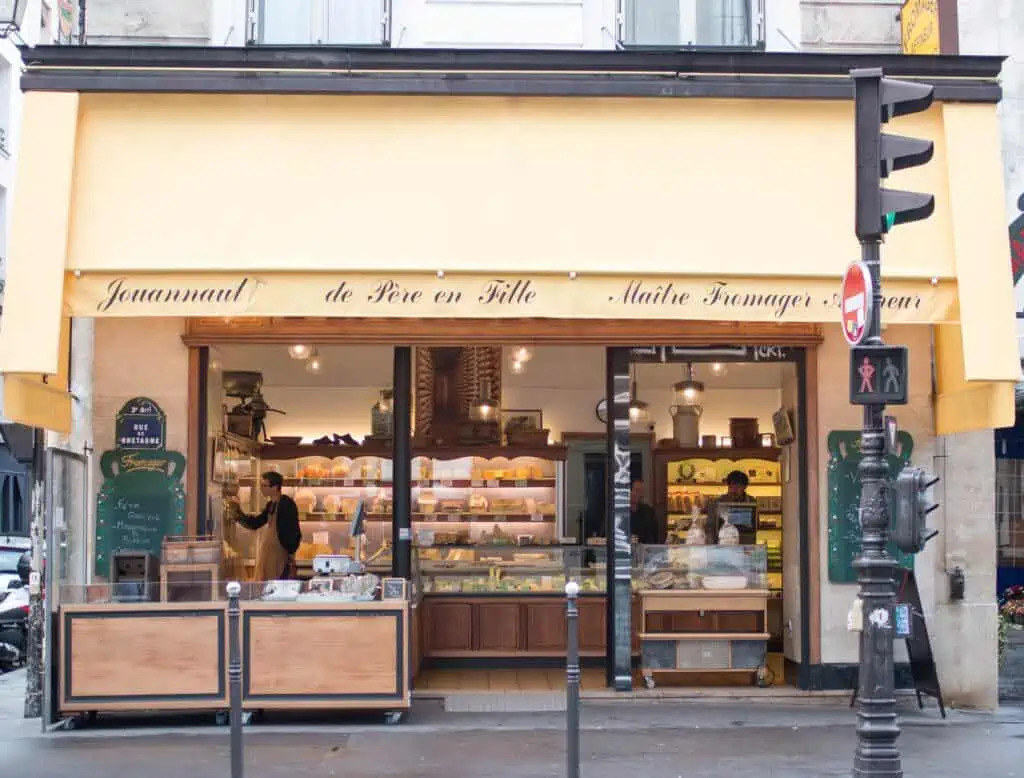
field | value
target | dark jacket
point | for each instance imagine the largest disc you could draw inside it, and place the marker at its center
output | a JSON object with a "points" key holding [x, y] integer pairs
{"points": [[645, 525], [288, 532]]}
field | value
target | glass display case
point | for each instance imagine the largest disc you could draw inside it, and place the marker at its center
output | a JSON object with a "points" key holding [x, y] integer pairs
{"points": [[689, 480], [722, 568], [511, 570], [466, 500]]}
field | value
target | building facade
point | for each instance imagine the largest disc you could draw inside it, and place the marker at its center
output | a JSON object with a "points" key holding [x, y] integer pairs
{"points": [[148, 282]]}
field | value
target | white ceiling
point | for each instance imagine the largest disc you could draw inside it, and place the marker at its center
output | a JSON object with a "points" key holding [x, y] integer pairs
{"points": [[550, 366]]}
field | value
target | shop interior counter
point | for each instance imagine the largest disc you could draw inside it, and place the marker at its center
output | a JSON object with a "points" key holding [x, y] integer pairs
{"points": [[704, 609], [504, 601]]}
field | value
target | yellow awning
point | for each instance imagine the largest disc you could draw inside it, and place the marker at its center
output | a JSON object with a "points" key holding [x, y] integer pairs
{"points": [[40, 400], [977, 360], [34, 333]]}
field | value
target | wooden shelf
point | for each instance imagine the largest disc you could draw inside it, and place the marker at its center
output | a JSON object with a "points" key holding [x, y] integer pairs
{"points": [[443, 483], [277, 452], [704, 636], [437, 518], [675, 454]]}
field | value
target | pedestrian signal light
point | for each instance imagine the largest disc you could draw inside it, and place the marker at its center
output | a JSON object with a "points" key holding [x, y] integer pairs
{"points": [[912, 502]]}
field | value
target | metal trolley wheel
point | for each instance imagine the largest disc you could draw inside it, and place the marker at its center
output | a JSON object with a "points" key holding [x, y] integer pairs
{"points": [[764, 676]]}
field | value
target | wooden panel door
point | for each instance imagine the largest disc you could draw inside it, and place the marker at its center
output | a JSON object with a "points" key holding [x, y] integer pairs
{"points": [[545, 627], [499, 627], [592, 625], [449, 627]]}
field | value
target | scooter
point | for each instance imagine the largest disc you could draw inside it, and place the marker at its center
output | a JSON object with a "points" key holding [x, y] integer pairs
{"points": [[14, 609]]}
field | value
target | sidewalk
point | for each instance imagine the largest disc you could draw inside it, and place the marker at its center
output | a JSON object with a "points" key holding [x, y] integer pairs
{"points": [[701, 738], [1011, 674]]}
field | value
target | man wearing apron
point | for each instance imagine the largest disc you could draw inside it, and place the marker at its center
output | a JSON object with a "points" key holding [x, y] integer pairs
{"points": [[280, 536]]}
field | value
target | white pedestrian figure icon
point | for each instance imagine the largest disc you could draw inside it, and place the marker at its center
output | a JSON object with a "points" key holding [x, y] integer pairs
{"points": [[891, 377]]}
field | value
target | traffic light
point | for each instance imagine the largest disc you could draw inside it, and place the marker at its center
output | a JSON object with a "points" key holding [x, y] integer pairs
{"points": [[876, 101], [911, 503]]}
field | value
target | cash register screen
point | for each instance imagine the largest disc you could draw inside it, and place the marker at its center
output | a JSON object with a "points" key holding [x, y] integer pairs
{"points": [[740, 515]]}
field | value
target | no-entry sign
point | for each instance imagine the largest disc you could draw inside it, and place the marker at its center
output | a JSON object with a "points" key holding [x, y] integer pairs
{"points": [[856, 301]]}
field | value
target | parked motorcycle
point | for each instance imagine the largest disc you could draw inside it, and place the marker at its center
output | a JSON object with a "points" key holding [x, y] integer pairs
{"points": [[14, 609]]}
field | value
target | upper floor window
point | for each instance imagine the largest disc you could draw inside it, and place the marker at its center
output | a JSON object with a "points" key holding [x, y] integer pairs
{"points": [[321, 22], [526, 24], [691, 23]]}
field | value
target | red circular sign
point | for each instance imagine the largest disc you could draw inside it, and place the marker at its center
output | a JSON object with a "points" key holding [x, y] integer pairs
{"points": [[856, 301]]}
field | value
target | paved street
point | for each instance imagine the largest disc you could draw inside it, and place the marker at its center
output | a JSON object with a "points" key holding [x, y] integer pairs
{"points": [[664, 740]]}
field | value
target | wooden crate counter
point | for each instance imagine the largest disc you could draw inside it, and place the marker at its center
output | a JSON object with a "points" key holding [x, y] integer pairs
{"points": [[703, 631], [326, 655], [146, 656]]}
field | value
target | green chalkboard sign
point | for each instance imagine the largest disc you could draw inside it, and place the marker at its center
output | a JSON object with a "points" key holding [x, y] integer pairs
{"points": [[844, 534], [142, 500]]}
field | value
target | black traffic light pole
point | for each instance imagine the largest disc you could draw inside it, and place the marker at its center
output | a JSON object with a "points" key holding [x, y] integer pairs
{"points": [[878, 99], [877, 724]]}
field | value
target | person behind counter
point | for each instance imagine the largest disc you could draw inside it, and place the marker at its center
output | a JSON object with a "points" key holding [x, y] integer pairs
{"points": [[281, 535], [736, 492], [644, 523]]}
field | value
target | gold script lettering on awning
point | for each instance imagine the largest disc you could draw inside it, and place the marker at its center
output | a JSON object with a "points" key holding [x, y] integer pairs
{"points": [[482, 296]]}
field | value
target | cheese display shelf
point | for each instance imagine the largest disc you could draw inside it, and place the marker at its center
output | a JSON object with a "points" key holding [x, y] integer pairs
{"points": [[704, 609], [502, 602], [688, 479], [459, 495]]}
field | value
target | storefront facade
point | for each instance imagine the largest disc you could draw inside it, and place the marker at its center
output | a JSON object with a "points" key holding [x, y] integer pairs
{"points": [[221, 197]]}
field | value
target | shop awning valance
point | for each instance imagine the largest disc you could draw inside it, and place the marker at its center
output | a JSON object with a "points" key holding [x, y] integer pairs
{"points": [[367, 206]]}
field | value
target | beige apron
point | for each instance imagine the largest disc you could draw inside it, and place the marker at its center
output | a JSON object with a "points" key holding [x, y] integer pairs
{"points": [[271, 557]]}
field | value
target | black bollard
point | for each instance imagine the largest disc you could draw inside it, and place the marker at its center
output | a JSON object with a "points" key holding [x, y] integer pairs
{"points": [[235, 678], [572, 688]]}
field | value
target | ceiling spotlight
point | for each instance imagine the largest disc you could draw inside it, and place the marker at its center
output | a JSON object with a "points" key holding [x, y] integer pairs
{"points": [[572, 275], [522, 354], [718, 369], [299, 351], [440, 274]]}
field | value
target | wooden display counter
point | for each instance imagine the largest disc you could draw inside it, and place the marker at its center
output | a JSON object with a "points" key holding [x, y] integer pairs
{"points": [[703, 631], [295, 656], [466, 626], [149, 656], [326, 655]]}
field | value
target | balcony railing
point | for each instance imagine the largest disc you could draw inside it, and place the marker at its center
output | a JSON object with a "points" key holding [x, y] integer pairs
{"points": [[319, 22], [691, 23]]}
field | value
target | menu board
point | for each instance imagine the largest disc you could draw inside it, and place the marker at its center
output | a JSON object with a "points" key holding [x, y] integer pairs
{"points": [[142, 500]]}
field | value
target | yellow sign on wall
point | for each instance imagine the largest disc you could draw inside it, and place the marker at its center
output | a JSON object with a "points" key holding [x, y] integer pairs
{"points": [[919, 25], [551, 296]]}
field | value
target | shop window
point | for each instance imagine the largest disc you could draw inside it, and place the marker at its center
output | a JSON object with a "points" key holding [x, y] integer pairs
{"points": [[692, 23]]}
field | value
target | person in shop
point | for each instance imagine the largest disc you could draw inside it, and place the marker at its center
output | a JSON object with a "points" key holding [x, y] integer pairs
{"points": [[642, 519], [736, 484], [280, 534]]}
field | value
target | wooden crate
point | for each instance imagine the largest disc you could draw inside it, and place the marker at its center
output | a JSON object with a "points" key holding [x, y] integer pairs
{"points": [[197, 550]]}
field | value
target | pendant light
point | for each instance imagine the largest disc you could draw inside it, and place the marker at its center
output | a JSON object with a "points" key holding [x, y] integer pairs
{"points": [[314, 364], [300, 351], [688, 390], [638, 409], [521, 354]]}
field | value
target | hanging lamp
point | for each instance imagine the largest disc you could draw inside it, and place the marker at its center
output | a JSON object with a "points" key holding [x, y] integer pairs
{"points": [[687, 391], [638, 409]]}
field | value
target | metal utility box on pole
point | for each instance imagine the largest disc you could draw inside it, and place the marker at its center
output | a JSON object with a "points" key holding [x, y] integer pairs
{"points": [[879, 376]]}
